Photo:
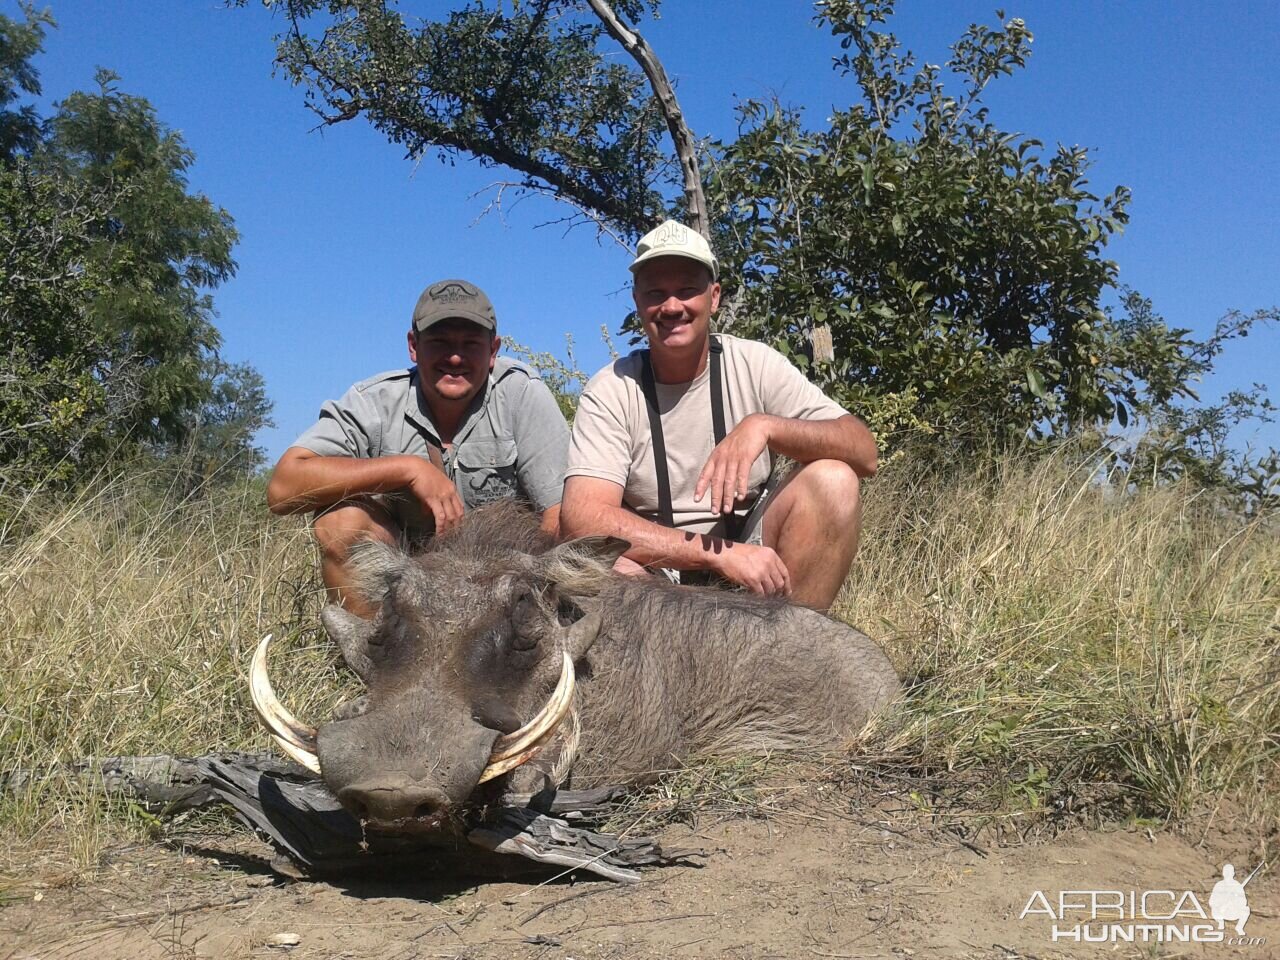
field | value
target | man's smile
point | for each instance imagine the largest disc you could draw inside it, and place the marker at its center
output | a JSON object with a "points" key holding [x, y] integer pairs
{"points": [[671, 325]]}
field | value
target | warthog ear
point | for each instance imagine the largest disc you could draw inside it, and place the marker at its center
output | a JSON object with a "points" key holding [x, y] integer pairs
{"points": [[579, 567], [351, 634], [377, 568]]}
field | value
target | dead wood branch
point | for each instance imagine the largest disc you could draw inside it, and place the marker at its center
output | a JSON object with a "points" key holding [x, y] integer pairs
{"points": [[686, 151], [298, 815]]}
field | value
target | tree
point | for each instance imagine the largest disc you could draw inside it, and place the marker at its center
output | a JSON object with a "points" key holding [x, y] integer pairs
{"points": [[960, 272], [106, 262], [521, 85], [162, 248], [19, 43], [55, 414], [1191, 440], [219, 435], [959, 268]]}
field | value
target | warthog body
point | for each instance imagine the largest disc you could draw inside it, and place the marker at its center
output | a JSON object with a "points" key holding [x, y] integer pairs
{"points": [[470, 642]]}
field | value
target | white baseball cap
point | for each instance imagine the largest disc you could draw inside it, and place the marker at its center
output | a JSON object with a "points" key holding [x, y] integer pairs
{"points": [[673, 239]]}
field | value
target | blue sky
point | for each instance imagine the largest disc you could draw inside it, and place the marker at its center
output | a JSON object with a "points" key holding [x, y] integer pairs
{"points": [[340, 232]]}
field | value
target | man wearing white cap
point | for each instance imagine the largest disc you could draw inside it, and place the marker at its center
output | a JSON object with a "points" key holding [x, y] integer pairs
{"points": [[401, 455], [673, 447]]}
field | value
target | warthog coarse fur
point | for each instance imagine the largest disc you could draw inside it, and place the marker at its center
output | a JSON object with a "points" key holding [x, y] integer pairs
{"points": [[468, 646]]}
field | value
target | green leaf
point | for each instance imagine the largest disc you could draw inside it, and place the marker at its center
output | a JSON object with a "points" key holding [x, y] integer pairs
{"points": [[1036, 384]]}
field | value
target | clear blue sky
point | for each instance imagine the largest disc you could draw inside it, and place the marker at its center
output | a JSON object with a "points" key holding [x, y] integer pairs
{"points": [[340, 232]]}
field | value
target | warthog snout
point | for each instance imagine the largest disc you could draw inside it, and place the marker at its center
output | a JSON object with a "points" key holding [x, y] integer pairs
{"points": [[388, 799]]}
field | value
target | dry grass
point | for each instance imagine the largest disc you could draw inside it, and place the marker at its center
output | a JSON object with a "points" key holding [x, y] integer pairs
{"points": [[127, 618], [1063, 637], [1074, 642]]}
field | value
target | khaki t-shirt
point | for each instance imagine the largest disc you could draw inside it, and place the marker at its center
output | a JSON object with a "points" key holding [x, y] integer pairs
{"points": [[611, 438]]}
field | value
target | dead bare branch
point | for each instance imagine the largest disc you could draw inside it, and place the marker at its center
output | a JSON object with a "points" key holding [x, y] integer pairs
{"points": [[686, 151]]}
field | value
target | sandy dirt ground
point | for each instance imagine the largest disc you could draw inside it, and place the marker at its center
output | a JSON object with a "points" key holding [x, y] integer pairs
{"points": [[812, 883]]}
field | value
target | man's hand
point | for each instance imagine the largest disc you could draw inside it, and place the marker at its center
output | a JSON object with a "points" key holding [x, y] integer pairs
{"points": [[759, 569], [437, 494], [728, 467]]}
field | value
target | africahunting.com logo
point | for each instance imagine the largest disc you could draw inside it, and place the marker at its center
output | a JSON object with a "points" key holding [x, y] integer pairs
{"points": [[1148, 916]]}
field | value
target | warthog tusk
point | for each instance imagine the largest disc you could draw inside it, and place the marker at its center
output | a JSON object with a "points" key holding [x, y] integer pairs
{"points": [[297, 740], [513, 749]]}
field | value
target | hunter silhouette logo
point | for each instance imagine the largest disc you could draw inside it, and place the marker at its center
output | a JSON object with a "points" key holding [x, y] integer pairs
{"points": [[1149, 916], [1228, 900]]}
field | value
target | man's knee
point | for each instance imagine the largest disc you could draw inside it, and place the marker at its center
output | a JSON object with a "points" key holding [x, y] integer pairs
{"points": [[818, 501], [340, 528], [832, 487]]}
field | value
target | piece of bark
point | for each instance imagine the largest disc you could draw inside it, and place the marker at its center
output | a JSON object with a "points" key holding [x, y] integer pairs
{"points": [[530, 834]]}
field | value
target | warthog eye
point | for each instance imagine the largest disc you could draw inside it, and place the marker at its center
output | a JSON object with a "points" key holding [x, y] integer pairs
{"points": [[567, 612], [528, 622]]}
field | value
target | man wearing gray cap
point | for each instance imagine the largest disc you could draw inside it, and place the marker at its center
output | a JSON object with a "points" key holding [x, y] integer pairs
{"points": [[674, 447], [401, 455]]}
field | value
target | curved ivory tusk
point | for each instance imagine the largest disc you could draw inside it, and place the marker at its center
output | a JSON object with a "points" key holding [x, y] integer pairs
{"points": [[513, 749], [510, 763], [296, 739], [299, 755]]}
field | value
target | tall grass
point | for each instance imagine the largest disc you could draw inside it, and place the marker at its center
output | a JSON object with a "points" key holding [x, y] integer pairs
{"points": [[1064, 640], [127, 618], [1074, 643]]}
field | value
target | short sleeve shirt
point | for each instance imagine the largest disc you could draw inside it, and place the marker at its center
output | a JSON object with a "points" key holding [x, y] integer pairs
{"points": [[513, 442], [611, 438]]}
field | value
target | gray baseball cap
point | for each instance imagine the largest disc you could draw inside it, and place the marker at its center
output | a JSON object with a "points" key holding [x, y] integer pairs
{"points": [[453, 300]]}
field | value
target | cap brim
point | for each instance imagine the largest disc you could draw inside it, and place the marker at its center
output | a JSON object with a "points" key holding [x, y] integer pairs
{"points": [[420, 323], [644, 258]]}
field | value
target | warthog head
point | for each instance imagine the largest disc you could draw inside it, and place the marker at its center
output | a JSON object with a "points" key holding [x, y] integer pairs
{"points": [[469, 669]]}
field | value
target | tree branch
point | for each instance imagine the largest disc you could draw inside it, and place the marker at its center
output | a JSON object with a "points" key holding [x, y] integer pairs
{"points": [[583, 215]]}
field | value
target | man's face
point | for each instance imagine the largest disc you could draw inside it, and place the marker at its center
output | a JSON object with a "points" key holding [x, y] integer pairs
{"points": [[454, 358], [675, 298]]}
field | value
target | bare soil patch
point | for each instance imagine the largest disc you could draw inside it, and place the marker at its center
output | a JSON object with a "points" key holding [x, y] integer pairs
{"points": [[811, 882]]}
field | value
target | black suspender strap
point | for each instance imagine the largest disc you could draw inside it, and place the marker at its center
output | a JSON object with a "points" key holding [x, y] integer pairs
{"points": [[717, 395], [659, 444], [665, 512], [732, 522]]}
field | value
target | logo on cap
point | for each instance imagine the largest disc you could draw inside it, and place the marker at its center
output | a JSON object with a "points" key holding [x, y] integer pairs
{"points": [[450, 300], [671, 234], [674, 239], [451, 293]]}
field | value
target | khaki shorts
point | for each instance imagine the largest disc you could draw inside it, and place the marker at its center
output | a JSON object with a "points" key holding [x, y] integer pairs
{"points": [[413, 527], [406, 512]]}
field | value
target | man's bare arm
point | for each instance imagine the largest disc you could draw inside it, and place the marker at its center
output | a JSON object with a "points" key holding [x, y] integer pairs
{"points": [[304, 481], [845, 438], [593, 507], [550, 522], [727, 470]]}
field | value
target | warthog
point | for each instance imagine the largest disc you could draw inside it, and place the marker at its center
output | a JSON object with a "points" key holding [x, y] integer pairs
{"points": [[622, 676]]}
